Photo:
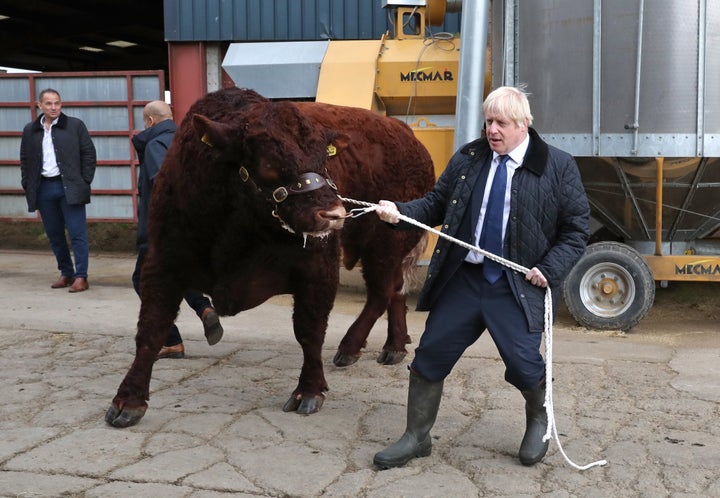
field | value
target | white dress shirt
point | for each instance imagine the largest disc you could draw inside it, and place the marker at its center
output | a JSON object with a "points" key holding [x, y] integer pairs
{"points": [[50, 167], [513, 163]]}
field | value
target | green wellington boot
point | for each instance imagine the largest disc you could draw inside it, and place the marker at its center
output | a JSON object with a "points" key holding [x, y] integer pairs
{"points": [[422, 407], [533, 448]]}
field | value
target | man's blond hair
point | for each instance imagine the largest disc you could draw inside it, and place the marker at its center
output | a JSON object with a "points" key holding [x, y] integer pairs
{"points": [[511, 102]]}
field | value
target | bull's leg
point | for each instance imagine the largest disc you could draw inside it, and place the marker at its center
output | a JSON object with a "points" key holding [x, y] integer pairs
{"points": [[384, 287], [394, 351], [254, 284], [311, 312], [160, 302]]}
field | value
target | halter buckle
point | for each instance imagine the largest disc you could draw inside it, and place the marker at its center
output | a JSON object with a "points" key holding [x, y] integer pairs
{"points": [[280, 194]]}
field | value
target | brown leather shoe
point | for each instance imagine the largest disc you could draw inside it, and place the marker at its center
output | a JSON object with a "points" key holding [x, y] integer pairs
{"points": [[61, 282], [80, 284], [176, 351], [211, 325]]}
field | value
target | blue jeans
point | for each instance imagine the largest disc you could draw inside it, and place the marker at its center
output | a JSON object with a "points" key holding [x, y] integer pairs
{"points": [[56, 215]]}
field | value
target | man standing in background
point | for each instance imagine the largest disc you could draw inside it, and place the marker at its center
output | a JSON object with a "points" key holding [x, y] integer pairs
{"points": [[57, 166], [152, 145]]}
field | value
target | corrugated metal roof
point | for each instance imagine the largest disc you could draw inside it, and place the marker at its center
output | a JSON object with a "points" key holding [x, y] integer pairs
{"points": [[286, 20]]}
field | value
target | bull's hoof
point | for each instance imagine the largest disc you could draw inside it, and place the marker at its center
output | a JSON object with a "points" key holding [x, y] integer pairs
{"points": [[344, 360], [304, 405], [124, 417], [391, 357]]}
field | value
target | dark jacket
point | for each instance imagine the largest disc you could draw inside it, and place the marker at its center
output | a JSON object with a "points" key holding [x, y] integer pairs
{"points": [[75, 154], [151, 145], [548, 226]]}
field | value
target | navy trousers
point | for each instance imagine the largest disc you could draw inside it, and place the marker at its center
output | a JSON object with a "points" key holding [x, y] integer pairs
{"points": [[56, 215], [468, 306]]}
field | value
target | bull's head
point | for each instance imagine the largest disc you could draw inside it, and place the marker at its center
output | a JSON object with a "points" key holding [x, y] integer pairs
{"points": [[281, 158]]}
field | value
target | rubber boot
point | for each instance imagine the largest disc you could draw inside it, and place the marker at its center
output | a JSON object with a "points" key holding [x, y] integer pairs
{"points": [[422, 407], [533, 448]]}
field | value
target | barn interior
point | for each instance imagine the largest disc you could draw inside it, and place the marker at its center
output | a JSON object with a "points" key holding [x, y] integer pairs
{"points": [[82, 35]]}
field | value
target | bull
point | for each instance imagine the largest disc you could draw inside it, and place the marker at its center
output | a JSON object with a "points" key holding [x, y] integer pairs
{"points": [[248, 205]]}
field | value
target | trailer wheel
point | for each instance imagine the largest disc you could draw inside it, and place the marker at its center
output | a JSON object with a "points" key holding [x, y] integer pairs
{"points": [[611, 287]]}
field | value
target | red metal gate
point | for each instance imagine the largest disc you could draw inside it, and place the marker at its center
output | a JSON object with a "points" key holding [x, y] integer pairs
{"points": [[110, 104]]}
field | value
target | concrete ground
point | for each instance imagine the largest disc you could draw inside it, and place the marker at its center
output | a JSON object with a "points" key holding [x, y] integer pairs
{"points": [[647, 401]]}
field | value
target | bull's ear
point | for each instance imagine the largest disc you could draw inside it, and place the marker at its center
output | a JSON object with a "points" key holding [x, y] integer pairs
{"points": [[338, 143], [211, 133]]}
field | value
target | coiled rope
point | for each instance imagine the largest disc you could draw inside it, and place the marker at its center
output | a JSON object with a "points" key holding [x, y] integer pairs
{"points": [[549, 408]]}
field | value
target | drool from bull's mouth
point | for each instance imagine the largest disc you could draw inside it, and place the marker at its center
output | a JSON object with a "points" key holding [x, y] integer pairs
{"points": [[317, 235]]}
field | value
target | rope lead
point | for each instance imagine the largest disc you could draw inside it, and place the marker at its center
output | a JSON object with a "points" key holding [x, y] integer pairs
{"points": [[549, 408]]}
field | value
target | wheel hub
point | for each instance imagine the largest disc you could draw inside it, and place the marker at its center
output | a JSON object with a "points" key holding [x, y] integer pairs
{"points": [[607, 290], [608, 287]]}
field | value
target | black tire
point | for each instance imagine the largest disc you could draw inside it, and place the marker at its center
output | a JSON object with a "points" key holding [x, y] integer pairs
{"points": [[610, 288]]}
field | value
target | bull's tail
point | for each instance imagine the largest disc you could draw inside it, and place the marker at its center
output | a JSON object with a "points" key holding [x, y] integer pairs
{"points": [[409, 264]]}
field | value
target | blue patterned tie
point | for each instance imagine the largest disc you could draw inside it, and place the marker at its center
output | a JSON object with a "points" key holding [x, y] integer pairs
{"points": [[491, 234]]}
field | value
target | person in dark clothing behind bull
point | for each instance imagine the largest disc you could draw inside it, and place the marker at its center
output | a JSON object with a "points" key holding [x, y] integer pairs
{"points": [[513, 195], [152, 145]]}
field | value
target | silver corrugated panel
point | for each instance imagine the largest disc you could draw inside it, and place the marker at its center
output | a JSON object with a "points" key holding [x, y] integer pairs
{"points": [[712, 74], [617, 77], [618, 83]]}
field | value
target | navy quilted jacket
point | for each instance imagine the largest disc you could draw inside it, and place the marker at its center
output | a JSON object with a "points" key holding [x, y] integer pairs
{"points": [[151, 146], [548, 225]]}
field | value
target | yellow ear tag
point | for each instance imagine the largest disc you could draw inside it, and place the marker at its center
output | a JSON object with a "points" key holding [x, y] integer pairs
{"points": [[206, 140], [331, 150]]}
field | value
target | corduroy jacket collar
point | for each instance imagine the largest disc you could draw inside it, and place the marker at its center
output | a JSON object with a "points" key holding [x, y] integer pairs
{"points": [[535, 158], [37, 124]]}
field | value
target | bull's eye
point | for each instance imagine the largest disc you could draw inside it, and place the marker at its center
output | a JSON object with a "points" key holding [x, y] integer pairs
{"points": [[244, 175], [268, 174], [280, 194]]}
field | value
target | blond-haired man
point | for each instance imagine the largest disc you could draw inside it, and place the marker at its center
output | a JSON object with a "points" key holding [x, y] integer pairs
{"points": [[516, 196]]}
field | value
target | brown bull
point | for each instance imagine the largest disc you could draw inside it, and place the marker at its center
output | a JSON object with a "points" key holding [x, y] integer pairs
{"points": [[247, 207]]}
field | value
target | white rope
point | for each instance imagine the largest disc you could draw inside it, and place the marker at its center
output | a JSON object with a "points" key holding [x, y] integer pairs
{"points": [[549, 408]]}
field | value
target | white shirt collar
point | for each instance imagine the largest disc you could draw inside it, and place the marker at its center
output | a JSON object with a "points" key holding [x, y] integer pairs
{"points": [[518, 153], [42, 120]]}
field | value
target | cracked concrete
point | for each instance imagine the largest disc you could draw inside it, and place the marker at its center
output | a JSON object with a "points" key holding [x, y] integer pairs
{"points": [[647, 401]]}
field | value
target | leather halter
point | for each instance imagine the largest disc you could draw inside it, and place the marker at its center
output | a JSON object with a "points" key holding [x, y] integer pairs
{"points": [[307, 182]]}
